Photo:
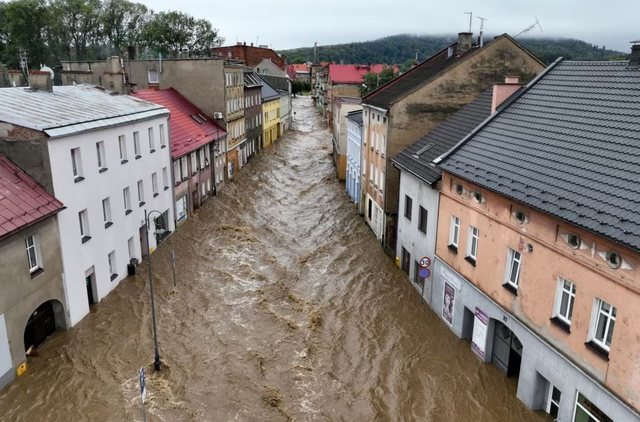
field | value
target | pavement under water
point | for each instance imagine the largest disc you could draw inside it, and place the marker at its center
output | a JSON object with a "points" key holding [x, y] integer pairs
{"points": [[286, 308]]}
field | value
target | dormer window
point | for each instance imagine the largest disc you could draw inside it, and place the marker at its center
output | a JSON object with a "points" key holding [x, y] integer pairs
{"points": [[573, 240], [458, 188], [479, 197], [613, 259], [520, 216]]}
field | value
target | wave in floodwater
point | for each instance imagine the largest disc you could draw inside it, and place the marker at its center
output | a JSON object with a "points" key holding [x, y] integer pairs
{"points": [[286, 308]]}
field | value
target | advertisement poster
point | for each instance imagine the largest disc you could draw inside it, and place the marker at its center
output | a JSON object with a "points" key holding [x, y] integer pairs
{"points": [[447, 306], [479, 338]]}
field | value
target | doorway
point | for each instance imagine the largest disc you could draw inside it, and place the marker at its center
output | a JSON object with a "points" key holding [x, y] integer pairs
{"points": [[41, 324], [90, 284], [507, 350]]}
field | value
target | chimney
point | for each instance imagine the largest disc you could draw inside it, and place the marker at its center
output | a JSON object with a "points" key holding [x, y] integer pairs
{"points": [[40, 81], [634, 59], [464, 42], [503, 91]]}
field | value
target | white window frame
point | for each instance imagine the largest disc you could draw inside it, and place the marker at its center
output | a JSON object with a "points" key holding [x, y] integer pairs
{"points": [[131, 246], [102, 156], [76, 163], [153, 76], [152, 141], [136, 144], [154, 184], [106, 212], [126, 194], [165, 177], [561, 291], [83, 218], [610, 316], [140, 185], [122, 145], [513, 256], [584, 409], [472, 243], [454, 231], [113, 267], [163, 139], [33, 248]]}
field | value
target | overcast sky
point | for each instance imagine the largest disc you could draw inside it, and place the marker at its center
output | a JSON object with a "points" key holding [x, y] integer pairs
{"points": [[284, 24]]}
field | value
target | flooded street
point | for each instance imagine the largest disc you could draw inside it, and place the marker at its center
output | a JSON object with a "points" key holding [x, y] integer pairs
{"points": [[286, 308]]}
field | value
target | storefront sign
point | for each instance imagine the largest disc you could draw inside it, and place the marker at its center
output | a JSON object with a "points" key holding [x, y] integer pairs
{"points": [[479, 338], [448, 302]]}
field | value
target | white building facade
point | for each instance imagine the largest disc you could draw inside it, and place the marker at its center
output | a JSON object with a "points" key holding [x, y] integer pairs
{"points": [[354, 153]]}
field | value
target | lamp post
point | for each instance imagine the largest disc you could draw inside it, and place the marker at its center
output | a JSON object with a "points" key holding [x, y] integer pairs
{"points": [[156, 361]]}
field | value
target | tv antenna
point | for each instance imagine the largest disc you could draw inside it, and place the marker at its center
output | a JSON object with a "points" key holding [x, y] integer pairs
{"points": [[530, 28], [23, 59], [470, 19]]}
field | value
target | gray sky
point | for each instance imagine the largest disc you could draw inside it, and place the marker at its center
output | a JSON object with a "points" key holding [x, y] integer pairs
{"points": [[284, 24]]}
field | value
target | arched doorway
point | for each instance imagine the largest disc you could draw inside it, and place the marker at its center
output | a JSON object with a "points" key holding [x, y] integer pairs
{"points": [[42, 323], [507, 350]]}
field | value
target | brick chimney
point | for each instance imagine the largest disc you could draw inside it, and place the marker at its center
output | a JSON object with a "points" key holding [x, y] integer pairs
{"points": [[503, 91], [465, 40], [40, 81], [634, 59]]}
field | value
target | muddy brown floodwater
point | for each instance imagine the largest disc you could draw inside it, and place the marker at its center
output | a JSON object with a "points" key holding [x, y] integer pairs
{"points": [[286, 309]]}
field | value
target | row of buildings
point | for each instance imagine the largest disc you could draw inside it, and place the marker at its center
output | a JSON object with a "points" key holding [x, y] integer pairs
{"points": [[508, 192], [95, 173]]}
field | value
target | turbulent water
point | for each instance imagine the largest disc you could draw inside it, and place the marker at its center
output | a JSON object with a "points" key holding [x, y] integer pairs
{"points": [[286, 308]]}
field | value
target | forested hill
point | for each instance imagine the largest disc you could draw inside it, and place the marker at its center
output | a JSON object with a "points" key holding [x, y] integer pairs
{"points": [[401, 49]]}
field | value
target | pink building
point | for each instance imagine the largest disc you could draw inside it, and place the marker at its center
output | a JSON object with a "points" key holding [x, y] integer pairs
{"points": [[537, 252]]}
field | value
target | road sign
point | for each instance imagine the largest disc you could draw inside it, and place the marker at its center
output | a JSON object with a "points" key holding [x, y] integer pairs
{"points": [[424, 272], [143, 388], [425, 262]]}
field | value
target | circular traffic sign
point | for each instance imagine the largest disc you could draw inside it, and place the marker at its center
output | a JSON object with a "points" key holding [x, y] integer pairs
{"points": [[425, 261], [424, 272]]}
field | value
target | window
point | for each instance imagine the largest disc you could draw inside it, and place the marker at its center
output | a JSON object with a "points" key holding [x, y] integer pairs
{"points": [[152, 141], [406, 260], [613, 259], [165, 178], [408, 204], [136, 144], [132, 248], [126, 194], [514, 261], [573, 240], [83, 218], [102, 157], [76, 163], [201, 157], [33, 254], [154, 184], [422, 219], [588, 412], [106, 212], [194, 163], [565, 296], [472, 244], [454, 232], [123, 149], [112, 265], [152, 76], [553, 401], [416, 275], [603, 323], [140, 193], [163, 140], [183, 168]]}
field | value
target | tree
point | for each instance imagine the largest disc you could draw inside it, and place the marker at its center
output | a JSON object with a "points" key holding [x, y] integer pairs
{"points": [[75, 25], [123, 23], [175, 32], [23, 27], [371, 81]]}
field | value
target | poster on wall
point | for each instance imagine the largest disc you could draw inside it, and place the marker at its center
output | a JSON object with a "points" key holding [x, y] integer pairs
{"points": [[181, 209], [448, 301], [479, 338]]}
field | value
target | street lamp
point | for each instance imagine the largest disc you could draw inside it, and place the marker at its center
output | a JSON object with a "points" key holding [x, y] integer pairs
{"points": [[156, 361]]}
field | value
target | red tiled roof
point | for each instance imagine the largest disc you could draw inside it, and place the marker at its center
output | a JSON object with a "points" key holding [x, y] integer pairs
{"points": [[354, 73], [23, 201], [186, 133]]}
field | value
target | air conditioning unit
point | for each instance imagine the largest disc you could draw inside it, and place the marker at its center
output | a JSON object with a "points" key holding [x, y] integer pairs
{"points": [[217, 115]]}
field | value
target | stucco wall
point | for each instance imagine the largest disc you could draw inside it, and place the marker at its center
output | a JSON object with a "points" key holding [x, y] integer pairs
{"points": [[547, 256], [28, 149]]}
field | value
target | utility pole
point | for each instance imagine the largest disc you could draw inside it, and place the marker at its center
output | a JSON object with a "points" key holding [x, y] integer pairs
{"points": [[470, 19], [481, 30]]}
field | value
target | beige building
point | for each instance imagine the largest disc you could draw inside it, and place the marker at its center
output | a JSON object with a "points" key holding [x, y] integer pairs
{"points": [[234, 116], [413, 104], [341, 107]]}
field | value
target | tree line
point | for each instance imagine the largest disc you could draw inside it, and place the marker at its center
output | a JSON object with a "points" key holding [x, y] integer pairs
{"points": [[51, 31]]}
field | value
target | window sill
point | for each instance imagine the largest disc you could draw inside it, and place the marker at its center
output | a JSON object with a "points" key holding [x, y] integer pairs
{"points": [[152, 151], [108, 224], [511, 289], [124, 161], [102, 170], [561, 324], [127, 212], [78, 179], [470, 260], [453, 248], [597, 349], [138, 157], [163, 146], [422, 231], [85, 239], [141, 203], [114, 276], [166, 188], [155, 194], [36, 272]]}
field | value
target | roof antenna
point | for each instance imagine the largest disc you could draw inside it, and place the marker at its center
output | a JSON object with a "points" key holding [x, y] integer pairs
{"points": [[529, 28], [480, 38], [24, 63], [470, 18]]}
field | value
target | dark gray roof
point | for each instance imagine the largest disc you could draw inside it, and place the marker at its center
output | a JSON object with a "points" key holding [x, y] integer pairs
{"points": [[268, 93], [417, 158], [355, 116], [569, 146]]}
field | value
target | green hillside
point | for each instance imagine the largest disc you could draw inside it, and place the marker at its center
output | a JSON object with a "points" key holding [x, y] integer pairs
{"points": [[402, 49]]}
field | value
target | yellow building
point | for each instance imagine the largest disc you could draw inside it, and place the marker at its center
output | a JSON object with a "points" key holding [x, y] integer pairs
{"points": [[270, 115]]}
